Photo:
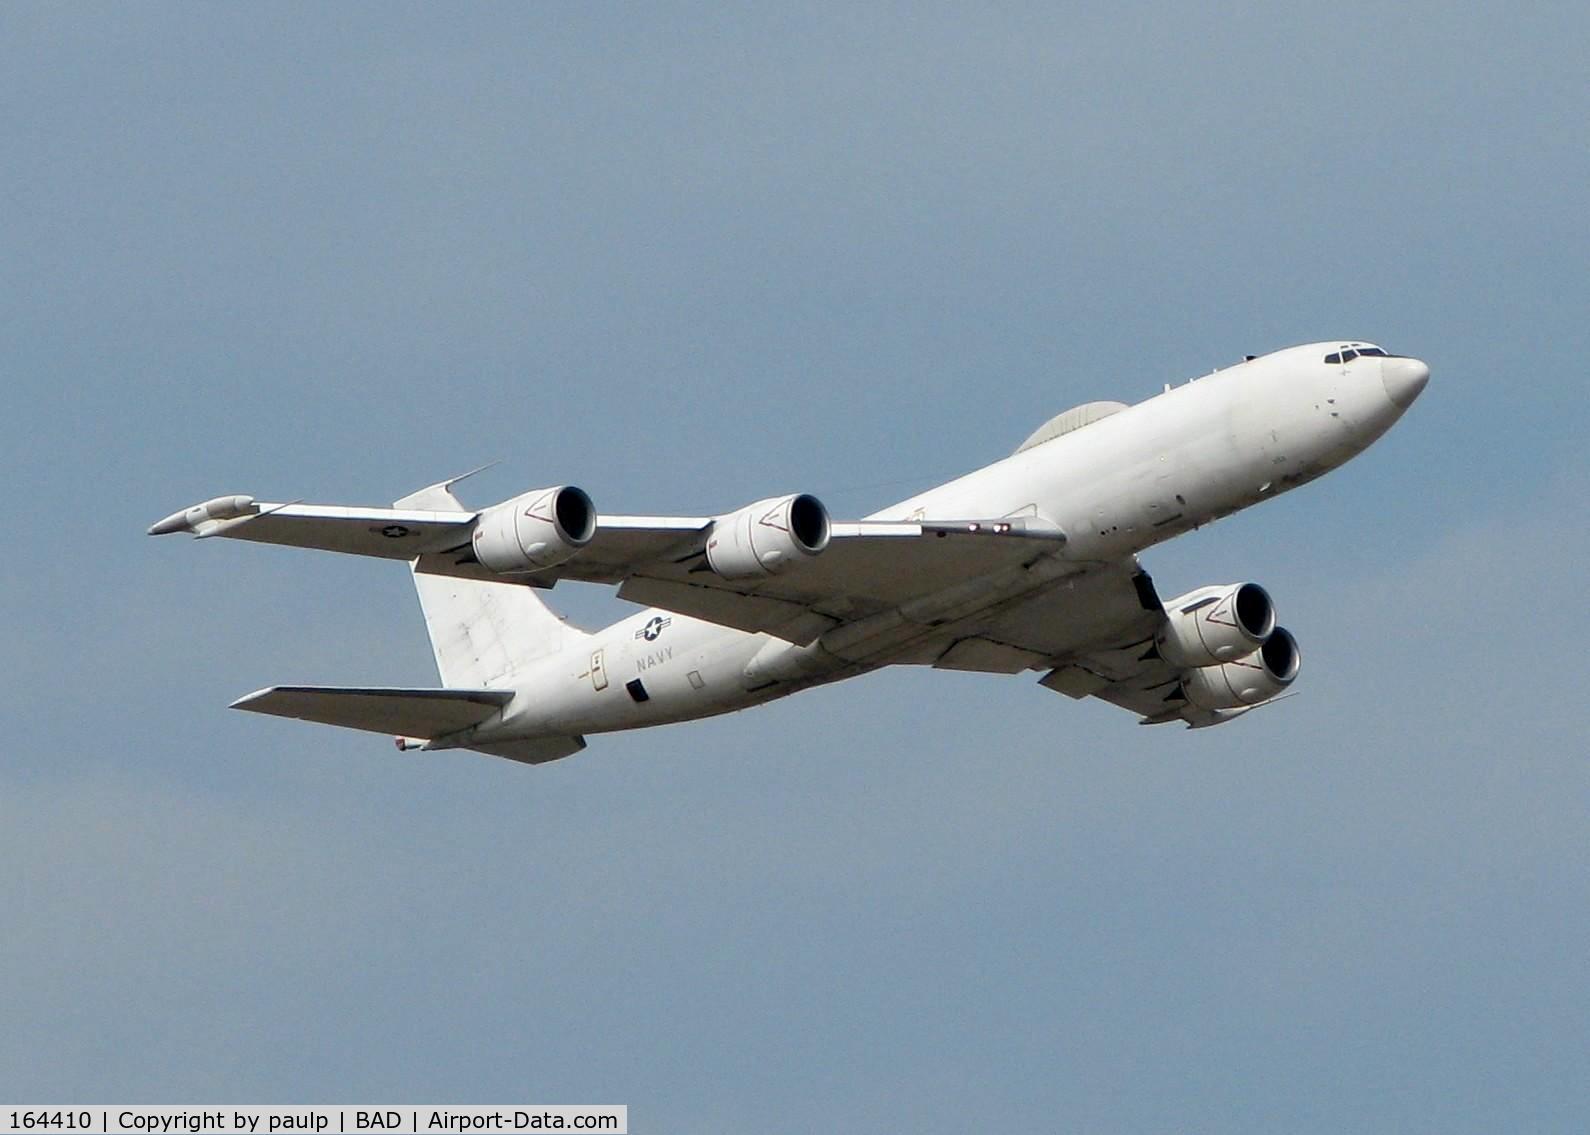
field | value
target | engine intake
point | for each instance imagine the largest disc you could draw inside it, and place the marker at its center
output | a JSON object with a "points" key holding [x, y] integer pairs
{"points": [[538, 529], [764, 538], [1214, 625], [1248, 681]]}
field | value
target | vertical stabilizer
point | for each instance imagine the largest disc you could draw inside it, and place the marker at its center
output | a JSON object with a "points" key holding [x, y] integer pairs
{"points": [[482, 633]]}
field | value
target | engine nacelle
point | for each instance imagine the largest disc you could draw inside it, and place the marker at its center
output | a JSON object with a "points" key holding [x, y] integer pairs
{"points": [[764, 538], [1216, 624], [1248, 681], [538, 529]]}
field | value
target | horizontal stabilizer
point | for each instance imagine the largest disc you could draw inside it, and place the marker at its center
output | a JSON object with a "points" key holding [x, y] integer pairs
{"points": [[410, 713]]}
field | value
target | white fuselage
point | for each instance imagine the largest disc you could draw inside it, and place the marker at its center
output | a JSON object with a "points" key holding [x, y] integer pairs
{"points": [[1179, 460]]}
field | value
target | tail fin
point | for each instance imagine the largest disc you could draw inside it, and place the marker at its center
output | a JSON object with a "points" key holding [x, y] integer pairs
{"points": [[483, 633]]}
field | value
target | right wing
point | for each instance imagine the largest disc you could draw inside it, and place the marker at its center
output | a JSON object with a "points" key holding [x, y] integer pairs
{"points": [[1095, 634]]}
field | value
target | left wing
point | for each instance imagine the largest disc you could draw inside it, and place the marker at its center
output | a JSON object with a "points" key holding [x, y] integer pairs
{"points": [[388, 533], [864, 567], [405, 532]]}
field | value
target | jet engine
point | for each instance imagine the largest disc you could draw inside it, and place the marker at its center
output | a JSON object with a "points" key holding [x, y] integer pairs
{"points": [[1217, 624], [535, 530], [1248, 681], [764, 538]]}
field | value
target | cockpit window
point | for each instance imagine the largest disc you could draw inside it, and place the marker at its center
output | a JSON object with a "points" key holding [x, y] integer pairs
{"points": [[1348, 354]]}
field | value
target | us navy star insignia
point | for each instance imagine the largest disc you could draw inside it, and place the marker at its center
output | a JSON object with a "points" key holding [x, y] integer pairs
{"points": [[654, 627]]}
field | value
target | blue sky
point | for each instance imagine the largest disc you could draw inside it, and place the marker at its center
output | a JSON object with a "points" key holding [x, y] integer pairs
{"points": [[688, 256]]}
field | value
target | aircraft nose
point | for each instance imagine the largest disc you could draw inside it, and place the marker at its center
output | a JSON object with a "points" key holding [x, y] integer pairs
{"points": [[1403, 380]]}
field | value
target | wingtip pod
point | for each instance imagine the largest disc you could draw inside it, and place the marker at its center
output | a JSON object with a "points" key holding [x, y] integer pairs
{"points": [[216, 508], [243, 702]]}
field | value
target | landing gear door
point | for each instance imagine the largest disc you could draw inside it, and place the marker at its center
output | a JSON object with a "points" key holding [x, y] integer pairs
{"points": [[599, 671]]}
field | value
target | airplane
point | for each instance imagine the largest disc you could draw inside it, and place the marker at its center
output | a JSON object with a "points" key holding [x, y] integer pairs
{"points": [[1030, 563]]}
